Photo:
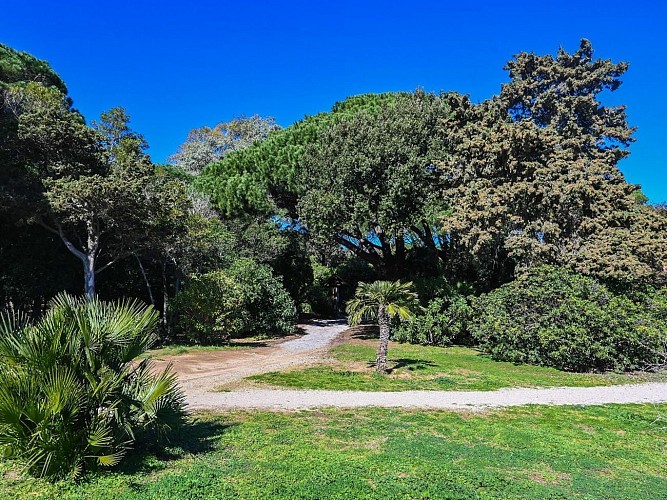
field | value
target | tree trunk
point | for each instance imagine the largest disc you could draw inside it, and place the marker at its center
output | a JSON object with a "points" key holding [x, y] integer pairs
{"points": [[165, 300], [383, 322], [148, 283], [89, 275], [87, 256]]}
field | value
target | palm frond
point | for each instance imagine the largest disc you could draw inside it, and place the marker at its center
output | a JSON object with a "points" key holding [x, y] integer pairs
{"points": [[398, 299], [72, 394]]}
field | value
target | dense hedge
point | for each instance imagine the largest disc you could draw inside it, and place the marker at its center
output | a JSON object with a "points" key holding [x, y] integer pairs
{"points": [[553, 317], [445, 317], [245, 300]]}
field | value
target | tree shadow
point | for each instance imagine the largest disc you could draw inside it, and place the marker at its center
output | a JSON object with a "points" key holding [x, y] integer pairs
{"points": [[410, 364], [326, 322], [196, 437], [248, 344], [365, 332]]}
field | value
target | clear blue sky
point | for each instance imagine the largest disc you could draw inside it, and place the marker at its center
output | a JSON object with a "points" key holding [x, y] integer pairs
{"points": [[180, 65]]}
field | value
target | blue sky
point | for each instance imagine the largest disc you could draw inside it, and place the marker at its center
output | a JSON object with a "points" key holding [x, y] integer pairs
{"points": [[180, 65]]}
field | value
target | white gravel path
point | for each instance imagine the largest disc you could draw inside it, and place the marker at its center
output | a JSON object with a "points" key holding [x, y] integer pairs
{"points": [[474, 400], [309, 348]]}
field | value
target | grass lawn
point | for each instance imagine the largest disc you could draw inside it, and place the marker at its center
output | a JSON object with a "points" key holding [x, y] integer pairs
{"points": [[616, 451], [179, 349], [415, 367]]}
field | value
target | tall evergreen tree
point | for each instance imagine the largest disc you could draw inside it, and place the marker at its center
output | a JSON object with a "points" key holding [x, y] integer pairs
{"points": [[533, 173]]}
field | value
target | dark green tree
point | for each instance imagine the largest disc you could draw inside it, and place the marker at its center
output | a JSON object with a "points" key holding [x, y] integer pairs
{"points": [[373, 186], [265, 178]]}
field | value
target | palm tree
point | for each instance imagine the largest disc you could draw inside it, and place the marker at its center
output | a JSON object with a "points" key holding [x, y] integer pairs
{"points": [[381, 301]]}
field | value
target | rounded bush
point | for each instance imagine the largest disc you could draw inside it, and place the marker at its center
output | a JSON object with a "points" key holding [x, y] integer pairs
{"points": [[209, 309], [245, 300], [441, 324], [553, 317], [267, 308]]}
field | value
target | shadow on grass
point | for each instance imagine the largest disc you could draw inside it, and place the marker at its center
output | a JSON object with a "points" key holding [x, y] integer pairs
{"points": [[410, 364], [194, 438], [365, 332]]}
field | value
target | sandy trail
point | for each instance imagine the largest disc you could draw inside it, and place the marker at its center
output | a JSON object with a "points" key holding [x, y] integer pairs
{"points": [[201, 373]]}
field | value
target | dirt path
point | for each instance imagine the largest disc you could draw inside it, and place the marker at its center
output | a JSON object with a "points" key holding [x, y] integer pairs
{"points": [[200, 373]]}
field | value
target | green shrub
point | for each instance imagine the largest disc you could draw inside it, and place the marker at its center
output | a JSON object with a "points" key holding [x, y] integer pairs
{"points": [[446, 315], [267, 308], [442, 323], [209, 309], [242, 301], [72, 395], [438, 287], [553, 317]]}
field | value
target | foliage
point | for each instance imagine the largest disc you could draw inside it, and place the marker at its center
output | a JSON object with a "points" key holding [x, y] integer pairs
{"points": [[72, 395], [18, 67], [533, 176], [442, 323], [346, 273], [209, 309], [610, 451], [372, 185], [205, 145], [268, 307], [553, 317], [396, 298], [264, 177], [273, 242], [382, 301], [245, 300]]}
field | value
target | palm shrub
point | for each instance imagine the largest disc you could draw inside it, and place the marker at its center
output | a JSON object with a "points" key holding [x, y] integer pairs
{"points": [[73, 395], [382, 300]]}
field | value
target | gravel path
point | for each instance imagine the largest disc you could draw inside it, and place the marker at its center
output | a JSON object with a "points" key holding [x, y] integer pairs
{"points": [[199, 375], [202, 374], [473, 400]]}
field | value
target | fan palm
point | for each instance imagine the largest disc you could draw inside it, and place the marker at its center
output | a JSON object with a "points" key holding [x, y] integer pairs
{"points": [[71, 391], [381, 301]]}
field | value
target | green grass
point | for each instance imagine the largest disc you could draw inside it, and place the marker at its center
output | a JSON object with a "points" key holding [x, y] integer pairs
{"points": [[415, 367], [617, 451], [179, 349]]}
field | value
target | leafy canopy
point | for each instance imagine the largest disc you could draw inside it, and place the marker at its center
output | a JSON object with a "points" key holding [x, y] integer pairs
{"points": [[533, 173], [264, 177]]}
